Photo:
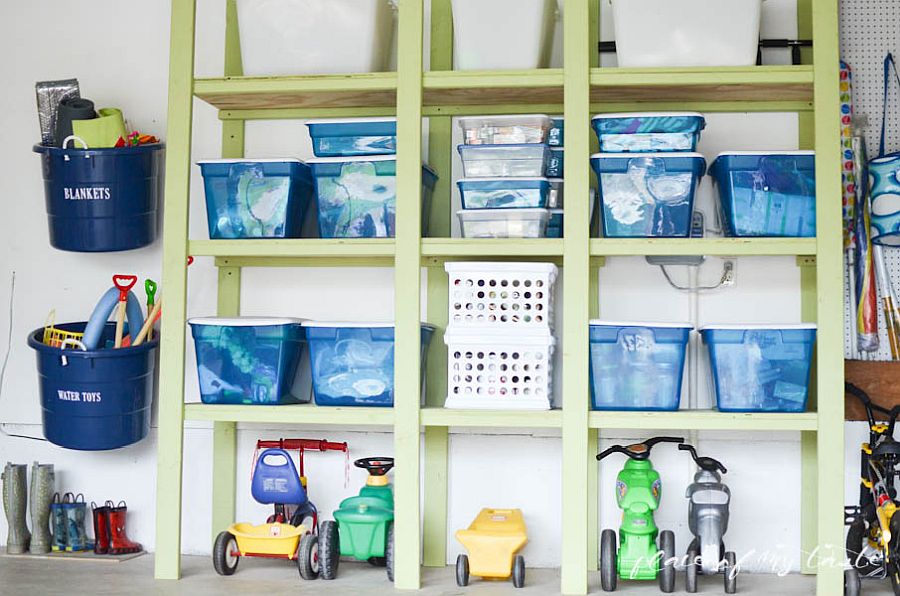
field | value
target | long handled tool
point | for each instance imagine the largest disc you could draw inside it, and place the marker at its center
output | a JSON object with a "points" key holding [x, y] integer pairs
{"points": [[123, 283], [150, 289], [147, 329]]}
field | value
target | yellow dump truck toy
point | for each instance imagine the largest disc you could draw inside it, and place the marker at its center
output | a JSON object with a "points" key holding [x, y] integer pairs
{"points": [[492, 541]]}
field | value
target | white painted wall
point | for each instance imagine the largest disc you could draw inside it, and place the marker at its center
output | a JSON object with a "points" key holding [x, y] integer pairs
{"points": [[118, 50]]}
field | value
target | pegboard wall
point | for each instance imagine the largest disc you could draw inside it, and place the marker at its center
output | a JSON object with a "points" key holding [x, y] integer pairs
{"points": [[869, 29]]}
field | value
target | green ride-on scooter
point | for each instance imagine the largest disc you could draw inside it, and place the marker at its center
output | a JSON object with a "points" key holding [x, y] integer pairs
{"points": [[635, 555], [363, 526]]}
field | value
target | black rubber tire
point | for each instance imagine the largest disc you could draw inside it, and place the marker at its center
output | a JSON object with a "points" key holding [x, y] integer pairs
{"points": [[691, 570], [518, 572], [308, 557], [609, 575], [893, 570], [851, 582], [329, 549], [462, 571], [666, 562], [730, 572], [389, 551], [225, 543], [377, 561], [857, 537]]}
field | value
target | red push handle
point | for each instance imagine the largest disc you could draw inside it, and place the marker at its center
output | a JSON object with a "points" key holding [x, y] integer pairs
{"points": [[124, 283], [302, 444]]}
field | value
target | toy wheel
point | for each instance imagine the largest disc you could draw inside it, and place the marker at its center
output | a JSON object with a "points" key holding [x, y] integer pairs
{"points": [[857, 540], [519, 571], [389, 551], [223, 560], [691, 564], [308, 557], [608, 572], [730, 572], [329, 550], [851, 582], [462, 570], [667, 561], [377, 561]]}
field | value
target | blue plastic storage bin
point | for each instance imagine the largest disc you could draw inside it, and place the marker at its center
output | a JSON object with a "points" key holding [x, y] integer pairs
{"points": [[503, 193], [767, 193], [96, 399], [522, 160], [647, 195], [356, 197], [760, 368], [353, 136], [556, 163], [648, 132], [637, 366], [557, 136], [247, 360], [101, 200], [256, 198], [353, 362]]}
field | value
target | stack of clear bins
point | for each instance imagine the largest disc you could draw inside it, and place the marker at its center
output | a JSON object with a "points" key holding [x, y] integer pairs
{"points": [[648, 172], [505, 191], [355, 177]]}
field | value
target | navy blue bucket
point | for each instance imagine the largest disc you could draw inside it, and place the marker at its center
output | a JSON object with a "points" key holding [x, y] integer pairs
{"points": [[97, 399], [101, 200]]}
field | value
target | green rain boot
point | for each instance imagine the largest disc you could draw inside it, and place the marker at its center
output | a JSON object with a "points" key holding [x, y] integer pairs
{"points": [[76, 513], [15, 502], [42, 484], [58, 522]]}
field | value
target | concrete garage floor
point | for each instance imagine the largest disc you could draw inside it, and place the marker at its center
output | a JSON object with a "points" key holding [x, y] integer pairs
{"points": [[40, 577]]}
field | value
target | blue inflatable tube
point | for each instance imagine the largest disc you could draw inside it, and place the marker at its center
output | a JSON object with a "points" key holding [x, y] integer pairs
{"points": [[104, 309]]}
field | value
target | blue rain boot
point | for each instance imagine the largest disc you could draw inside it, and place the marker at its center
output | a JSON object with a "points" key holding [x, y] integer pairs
{"points": [[76, 513], [58, 523]]}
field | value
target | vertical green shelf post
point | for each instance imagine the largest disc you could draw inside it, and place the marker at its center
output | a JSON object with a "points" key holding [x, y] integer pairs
{"points": [[576, 272], [174, 281], [407, 298], [830, 311]]}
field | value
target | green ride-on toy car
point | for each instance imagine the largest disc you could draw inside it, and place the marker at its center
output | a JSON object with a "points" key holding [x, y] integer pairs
{"points": [[635, 555], [363, 526]]}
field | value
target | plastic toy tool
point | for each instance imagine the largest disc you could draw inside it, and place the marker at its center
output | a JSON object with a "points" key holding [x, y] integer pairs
{"points": [[150, 290], [637, 554], [492, 541], [123, 283]]}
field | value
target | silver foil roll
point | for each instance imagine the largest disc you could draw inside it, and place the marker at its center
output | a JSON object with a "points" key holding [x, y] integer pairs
{"points": [[49, 94]]}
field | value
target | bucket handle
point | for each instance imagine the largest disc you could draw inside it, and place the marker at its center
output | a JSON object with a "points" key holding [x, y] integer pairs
{"points": [[70, 341], [74, 139]]}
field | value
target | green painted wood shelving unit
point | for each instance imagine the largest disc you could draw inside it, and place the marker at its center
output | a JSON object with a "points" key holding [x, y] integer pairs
{"points": [[578, 90]]}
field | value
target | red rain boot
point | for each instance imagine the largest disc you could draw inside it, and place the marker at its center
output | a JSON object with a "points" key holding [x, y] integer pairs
{"points": [[101, 527], [119, 543]]}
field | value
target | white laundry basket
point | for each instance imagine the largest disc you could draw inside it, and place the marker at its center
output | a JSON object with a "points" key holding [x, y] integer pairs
{"points": [[294, 37], [499, 369], [502, 34], [509, 296], [686, 32]]}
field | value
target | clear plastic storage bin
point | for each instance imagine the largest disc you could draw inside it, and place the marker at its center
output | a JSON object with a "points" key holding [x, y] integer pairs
{"points": [[767, 193], [256, 198], [637, 366], [295, 37], [352, 363], [353, 136], [503, 193], [506, 130], [557, 136], [648, 132], [647, 195], [557, 188], [503, 223], [760, 368], [556, 163], [356, 197], [504, 160], [502, 34], [499, 369], [248, 360], [557, 218]]}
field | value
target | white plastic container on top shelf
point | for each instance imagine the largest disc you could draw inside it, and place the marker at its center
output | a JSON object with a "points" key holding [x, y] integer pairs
{"points": [[502, 34], [686, 32], [296, 37]]}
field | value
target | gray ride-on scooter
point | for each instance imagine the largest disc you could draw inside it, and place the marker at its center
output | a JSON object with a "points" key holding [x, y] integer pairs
{"points": [[709, 499]]}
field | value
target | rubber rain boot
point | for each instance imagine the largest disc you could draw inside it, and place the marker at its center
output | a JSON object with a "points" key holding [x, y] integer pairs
{"points": [[43, 480], [76, 512], [58, 522], [119, 543], [15, 503], [100, 515]]}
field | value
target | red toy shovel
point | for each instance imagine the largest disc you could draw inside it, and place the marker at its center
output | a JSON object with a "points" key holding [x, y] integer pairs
{"points": [[123, 283]]}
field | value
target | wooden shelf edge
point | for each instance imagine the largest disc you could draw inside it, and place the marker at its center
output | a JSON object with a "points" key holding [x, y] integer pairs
{"points": [[703, 420]]}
